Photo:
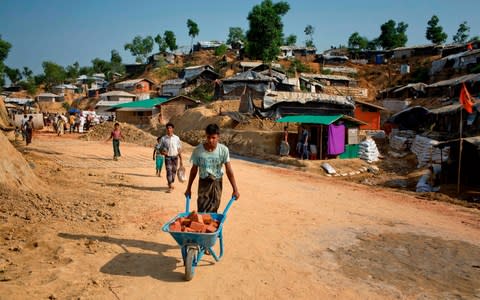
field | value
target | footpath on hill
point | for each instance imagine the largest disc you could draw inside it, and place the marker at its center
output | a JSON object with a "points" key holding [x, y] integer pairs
{"points": [[94, 232]]}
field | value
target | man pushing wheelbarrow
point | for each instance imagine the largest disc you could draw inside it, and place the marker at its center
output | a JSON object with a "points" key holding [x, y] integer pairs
{"points": [[186, 228], [209, 158]]}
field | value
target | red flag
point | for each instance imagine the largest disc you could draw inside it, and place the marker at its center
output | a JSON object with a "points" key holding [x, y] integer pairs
{"points": [[466, 100]]}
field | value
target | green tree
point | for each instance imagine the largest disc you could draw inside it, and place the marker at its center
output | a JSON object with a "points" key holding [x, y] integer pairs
{"points": [[101, 66], [393, 35], [4, 49], [309, 31], [265, 34], [290, 40], [27, 72], [462, 33], [357, 42], [116, 65], [193, 31], [72, 71], [53, 74], [140, 48], [86, 70], [14, 75], [435, 32], [221, 50], [29, 85], [162, 45], [170, 40], [235, 35]]}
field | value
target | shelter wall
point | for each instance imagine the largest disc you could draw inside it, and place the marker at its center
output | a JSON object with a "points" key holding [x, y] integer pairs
{"points": [[370, 117]]}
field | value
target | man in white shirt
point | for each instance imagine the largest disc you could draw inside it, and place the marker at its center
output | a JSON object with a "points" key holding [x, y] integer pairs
{"points": [[172, 149], [24, 121]]}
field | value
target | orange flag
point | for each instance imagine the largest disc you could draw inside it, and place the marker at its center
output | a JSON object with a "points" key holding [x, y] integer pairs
{"points": [[466, 99]]}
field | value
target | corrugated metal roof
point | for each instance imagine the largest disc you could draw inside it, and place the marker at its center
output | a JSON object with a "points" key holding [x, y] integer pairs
{"points": [[370, 104], [456, 80], [176, 81], [310, 119], [48, 95], [248, 76], [274, 97], [326, 77], [134, 81], [117, 93]]}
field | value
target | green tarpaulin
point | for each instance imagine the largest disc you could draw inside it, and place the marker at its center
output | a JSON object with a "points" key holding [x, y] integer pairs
{"points": [[310, 119]]}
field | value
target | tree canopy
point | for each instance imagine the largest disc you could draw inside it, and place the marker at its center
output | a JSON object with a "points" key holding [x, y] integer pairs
{"points": [[193, 31], [4, 49], [435, 32], [393, 35], [53, 74], [265, 34], [14, 75], [140, 48], [170, 40], [309, 31], [462, 33], [235, 35], [357, 42], [290, 40]]}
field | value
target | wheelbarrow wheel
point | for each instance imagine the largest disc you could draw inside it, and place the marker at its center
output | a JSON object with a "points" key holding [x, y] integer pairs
{"points": [[190, 260]]}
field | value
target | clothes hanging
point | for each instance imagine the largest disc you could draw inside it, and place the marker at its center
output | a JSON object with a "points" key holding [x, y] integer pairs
{"points": [[336, 139]]}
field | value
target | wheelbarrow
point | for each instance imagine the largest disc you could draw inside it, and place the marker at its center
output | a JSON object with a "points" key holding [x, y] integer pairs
{"points": [[194, 245]]}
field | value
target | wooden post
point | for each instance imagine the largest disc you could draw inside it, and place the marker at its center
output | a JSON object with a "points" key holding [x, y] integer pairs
{"points": [[460, 149], [321, 142]]}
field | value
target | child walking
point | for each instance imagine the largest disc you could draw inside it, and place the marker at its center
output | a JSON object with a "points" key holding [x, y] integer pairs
{"points": [[158, 152], [115, 136]]}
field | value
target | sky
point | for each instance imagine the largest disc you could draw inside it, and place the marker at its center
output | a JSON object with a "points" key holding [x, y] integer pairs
{"points": [[68, 31]]}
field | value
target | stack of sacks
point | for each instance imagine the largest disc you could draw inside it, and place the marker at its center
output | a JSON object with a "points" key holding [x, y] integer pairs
{"points": [[368, 150], [401, 139], [195, 222], [426, 153]]}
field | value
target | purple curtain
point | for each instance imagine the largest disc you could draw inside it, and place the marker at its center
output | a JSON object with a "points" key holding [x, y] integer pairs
{"points": [[336, 139]]}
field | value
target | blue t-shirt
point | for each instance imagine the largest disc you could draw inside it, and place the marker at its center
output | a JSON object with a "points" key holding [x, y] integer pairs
{"points": [[210, 163]]}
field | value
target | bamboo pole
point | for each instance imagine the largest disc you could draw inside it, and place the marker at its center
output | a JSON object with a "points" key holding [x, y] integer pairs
{"points": [[460, 150], [321, 142]]}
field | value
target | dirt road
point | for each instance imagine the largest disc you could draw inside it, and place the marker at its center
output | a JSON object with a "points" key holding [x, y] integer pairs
{"points": [[291, 235]]}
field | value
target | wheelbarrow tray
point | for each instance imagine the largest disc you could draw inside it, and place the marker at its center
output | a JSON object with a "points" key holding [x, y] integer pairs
{"points": [[206, 240]]}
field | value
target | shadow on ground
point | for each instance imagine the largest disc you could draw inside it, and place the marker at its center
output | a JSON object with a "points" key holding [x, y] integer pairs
{"points": [[155, 265]]}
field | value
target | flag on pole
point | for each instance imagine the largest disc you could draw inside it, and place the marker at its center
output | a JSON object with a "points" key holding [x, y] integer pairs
{"points": [[466, 100]]}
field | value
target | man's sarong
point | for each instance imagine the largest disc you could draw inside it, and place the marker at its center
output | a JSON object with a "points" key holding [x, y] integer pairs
{"points": [[171, 163], [209, 194]]}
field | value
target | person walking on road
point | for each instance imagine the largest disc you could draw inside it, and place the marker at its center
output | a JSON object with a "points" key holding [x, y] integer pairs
{"points": [[116, 136], [208, 159], [29, 130], [158, 157], [173, 154]]}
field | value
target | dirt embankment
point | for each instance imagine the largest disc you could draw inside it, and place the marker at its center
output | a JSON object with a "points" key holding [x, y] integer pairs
{"points": [[131, 134]]}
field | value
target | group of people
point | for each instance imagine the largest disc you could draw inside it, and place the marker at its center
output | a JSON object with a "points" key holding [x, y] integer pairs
{"points": [[207, 159]]}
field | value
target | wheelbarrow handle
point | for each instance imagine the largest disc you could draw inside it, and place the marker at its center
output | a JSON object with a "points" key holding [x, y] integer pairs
{"points": [[187, 204], [228, 206]]}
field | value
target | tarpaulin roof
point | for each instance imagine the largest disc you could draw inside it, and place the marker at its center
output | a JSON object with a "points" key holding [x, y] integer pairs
{"points": [[274, 97], [310, 119], [139, 105]]}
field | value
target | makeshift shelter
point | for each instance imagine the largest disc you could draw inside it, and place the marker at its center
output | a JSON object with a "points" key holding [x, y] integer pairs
{"points": [[113, 98], [329, 135], [173, 87], [48, 97], [199, 73], [175, 106], [412, 118], [137, 112], [368, 113], [281, 104]]}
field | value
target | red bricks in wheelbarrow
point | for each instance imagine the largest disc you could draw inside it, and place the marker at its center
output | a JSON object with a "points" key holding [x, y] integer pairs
{"points": [[175, 226], [195, 217], [207, 219], [197, 226], [210, 229]]}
